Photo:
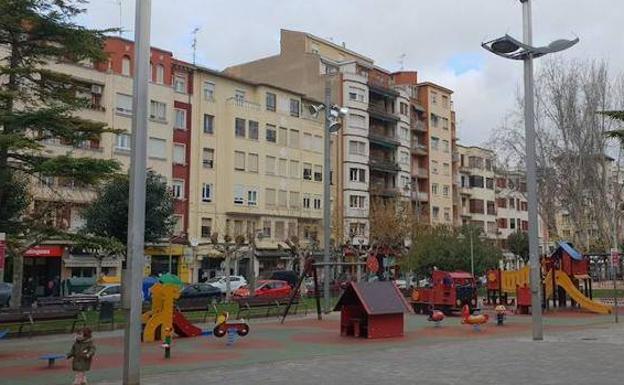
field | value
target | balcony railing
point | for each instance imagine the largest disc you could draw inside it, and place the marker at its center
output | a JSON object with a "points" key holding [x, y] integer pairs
{"points": [[419, 148], [383, 138], [384, 165], [418, 125], [420, 196], [244, 104], [420, 172], [380, 112], [382, 190]]}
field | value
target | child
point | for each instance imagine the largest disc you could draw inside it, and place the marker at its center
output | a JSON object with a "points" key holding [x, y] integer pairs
{"points": [[82, 352]]}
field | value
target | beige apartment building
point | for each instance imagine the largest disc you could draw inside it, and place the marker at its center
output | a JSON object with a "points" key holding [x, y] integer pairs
{"points": [[375, 153]]}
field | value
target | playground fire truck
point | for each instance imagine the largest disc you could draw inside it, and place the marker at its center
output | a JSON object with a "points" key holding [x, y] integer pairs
{"points": [[448, 292]]}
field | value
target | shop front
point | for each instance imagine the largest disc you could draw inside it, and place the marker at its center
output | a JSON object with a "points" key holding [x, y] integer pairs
{"points": [[42, 271], [168, 259]]}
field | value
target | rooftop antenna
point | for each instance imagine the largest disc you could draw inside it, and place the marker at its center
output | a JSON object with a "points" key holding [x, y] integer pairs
{"points": [[402, 61], [119, 4], [194, 32]]}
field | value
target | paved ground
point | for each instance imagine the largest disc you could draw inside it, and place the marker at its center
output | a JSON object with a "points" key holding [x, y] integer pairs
{"points": [[306, 351]]}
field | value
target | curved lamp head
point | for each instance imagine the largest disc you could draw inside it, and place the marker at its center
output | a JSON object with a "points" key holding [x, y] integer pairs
{"points": [[511, 48]]}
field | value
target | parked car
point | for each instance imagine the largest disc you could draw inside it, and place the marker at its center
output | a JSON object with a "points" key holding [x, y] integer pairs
{"points": [[285, 275], [92, 296], [5, 293], [236, 282], [198, 296], [267, 288]]}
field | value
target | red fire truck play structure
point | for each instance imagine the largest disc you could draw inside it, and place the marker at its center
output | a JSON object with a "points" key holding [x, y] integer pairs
{"points": [[448, 292]]}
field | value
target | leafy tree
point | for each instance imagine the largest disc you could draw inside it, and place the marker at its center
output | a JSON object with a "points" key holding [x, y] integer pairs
{"points": [[448, 248], [38, 104], [519, 244], [107, 216]]}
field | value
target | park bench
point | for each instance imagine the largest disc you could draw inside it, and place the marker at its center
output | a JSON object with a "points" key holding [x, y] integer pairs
{"points": [[247, 304], [31, 316]]}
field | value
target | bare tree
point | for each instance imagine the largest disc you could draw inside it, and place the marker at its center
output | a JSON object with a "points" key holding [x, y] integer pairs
{"points": [[574, 169]]}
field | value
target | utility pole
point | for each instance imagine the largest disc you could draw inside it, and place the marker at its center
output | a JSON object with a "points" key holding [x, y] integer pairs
{"points": [[531, 165], [326, 195], [133, 273], [194, 32]]}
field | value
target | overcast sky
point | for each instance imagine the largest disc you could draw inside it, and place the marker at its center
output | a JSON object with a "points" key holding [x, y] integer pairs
{"points": [[438, 38]]}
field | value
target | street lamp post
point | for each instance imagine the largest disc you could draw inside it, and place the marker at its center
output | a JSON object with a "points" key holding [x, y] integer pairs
{"points": [[332, 124], [510, 48]]}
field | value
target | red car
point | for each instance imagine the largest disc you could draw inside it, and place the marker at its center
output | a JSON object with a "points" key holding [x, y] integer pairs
{"points": [[266, 288]]}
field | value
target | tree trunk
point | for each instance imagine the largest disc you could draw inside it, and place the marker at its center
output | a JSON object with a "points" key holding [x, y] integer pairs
{"points": [[18, 273]]}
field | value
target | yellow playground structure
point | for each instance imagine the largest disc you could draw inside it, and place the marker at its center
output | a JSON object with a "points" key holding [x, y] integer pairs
{"points": [[565, 269]]}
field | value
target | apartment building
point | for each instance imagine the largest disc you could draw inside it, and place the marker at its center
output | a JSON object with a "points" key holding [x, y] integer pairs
{"points": [[477, 194], [511, 204], [239, 157], [373, 154]]}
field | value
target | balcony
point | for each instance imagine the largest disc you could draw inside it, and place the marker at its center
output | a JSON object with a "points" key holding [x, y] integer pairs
{"points": [[419, 148], [242, 104], [421, 173], [384, 165], [378, 111], [384, 139], [418, 125], [381, 85], [420, 196], [384, 191]]}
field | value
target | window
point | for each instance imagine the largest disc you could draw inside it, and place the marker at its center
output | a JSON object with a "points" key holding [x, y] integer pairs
{"points": [[317, 203], [282, 198], [239, 160], [318, 173], [271, 101], [357, 121], [434, 188], [488, 164], [446, 169], [445, 101], [447, 214], [180, 119], [294, 107], [357, 147], [445, 146], [404, 157], [178, 223], [404, 109], [160, 74], [435, 120], [179, 83], [357, 175], [501, 203], [476, 181], [252, 162], [477, 206], [475, 162], [435, 143], [294, 169], [306, 201], [307, 171], [404, 133], [208, 124], [357, 201], [271, 134], [239, 127], [124, 104], [177, 188], [491, 208], [357, 94], [502, 223], [252, 198], [512, 223], [269, 197], [294, 199], [206, 192], [270, 165], [282, 138], [208, 157], [280, 230], [524, 206], [157, 148], [283, 168], [239, 97], [489, 183], [253, 130], [158, 110], [434, 97], [445, 123], [435, 212], [357, 229], [126, 66], [206, 227], [512, 203], [179, 154], [445, 191], [293, 139], [239, 194], [209, 90], [434, 167], [266, 228], [122, 142], [317, 143]]}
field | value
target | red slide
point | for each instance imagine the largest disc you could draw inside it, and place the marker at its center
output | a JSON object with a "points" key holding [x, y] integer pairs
{"points": [[183, 327]]}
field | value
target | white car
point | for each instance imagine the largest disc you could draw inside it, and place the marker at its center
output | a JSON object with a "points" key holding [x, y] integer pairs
{"points": [[98, 293], [236, 282]]}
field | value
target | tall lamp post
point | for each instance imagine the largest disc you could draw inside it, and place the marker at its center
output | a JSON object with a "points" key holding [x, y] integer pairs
{"points": [[333, 115], [510, 48]]}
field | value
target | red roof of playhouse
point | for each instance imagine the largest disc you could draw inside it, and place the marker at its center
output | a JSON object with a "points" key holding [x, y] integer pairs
{"points": [[376, 297]]}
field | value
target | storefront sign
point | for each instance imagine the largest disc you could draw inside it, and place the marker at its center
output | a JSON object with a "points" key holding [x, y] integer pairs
{"points": [[44, 251]]}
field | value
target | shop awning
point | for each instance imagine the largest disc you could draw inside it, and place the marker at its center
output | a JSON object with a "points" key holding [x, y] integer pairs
{"points": [[45, 251]]}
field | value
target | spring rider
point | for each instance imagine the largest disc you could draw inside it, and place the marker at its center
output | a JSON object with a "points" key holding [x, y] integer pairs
{"points": [[223, 326], [476, 320]]}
